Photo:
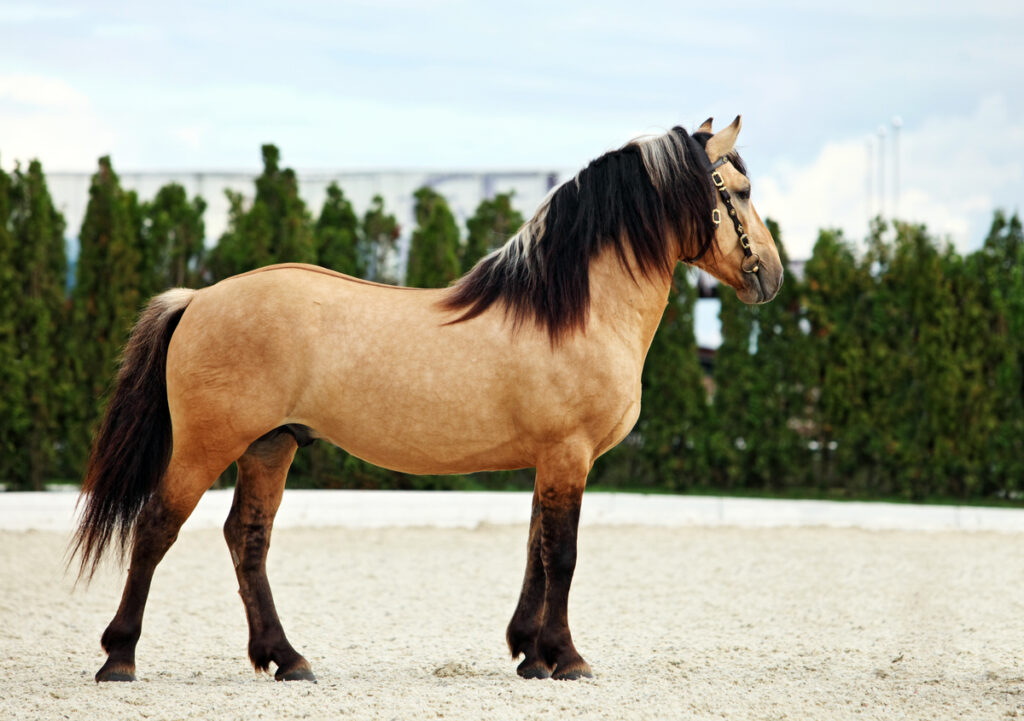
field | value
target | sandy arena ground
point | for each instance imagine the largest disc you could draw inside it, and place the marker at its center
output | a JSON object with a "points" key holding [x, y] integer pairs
{"points": [[408, 623]]}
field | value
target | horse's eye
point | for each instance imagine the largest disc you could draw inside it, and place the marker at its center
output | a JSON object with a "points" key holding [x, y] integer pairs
{"points": [[743, 194]]}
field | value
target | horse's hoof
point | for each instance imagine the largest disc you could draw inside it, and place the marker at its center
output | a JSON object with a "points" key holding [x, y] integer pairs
{"points": [[300, 673], [573, 671], [533, 669], [115, 672]]}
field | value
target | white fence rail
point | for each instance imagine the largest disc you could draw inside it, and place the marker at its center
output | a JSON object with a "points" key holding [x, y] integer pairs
{"points": [[455, 509]]}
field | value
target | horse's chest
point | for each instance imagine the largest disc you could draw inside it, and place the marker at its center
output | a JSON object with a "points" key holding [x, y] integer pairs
{"points": [[621, 416]]}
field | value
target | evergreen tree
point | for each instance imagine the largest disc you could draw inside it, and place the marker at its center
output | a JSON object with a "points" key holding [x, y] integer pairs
{"points": [[761, 388], [275, 229], [913, 376], [433, 255], [978, 347], [836, 288], [173, 233], [105, 300], [735, 380], [997, 271], [13, 413], [278, 191], [246, 244], [336, 234], [379, 242], [777, 405], [39, 325], [494, 222], [150, 255], [675, 416]]}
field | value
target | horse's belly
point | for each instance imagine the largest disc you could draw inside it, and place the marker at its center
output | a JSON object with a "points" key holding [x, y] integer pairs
{"points": [[421, 435], [428, 455]]}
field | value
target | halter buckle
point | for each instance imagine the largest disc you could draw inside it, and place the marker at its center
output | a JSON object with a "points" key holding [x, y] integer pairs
{"points": [[716, 217], [744, 240], [716, 178]]}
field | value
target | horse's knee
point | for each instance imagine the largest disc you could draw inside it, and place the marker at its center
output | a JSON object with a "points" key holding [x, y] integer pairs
{"points": [[233, 531]]}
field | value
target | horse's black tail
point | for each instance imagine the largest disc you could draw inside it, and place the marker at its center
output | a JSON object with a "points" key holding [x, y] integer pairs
{"points": [[132, 448]]}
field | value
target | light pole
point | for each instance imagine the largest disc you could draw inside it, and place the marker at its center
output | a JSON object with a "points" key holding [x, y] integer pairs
{"points": [[869, 172], [881, 170], [897, 123]]}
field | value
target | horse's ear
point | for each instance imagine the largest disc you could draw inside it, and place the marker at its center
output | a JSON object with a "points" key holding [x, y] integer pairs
{"points": [[705, 127], [722, 142]]}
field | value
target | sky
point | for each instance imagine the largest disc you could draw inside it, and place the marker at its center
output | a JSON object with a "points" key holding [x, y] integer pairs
{"points": [[476, 85]]}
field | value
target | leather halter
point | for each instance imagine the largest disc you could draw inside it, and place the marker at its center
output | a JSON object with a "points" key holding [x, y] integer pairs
{"points": [[751, 260]]}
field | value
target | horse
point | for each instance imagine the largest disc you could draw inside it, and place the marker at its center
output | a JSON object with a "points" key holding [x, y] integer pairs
{"points": [[533, 359]]}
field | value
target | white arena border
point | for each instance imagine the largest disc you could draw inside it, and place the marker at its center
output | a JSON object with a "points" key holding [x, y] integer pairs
{"points": [[54, 511]]}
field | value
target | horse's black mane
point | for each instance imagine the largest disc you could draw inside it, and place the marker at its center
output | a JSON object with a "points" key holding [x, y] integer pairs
{"points": [[543, 272]]}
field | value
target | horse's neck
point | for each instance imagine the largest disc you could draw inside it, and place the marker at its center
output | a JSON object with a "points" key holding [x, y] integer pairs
{"points": [[630, 307]]}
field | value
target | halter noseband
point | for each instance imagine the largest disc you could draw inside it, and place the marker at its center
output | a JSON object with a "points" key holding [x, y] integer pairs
{"points": [[751, 261]]}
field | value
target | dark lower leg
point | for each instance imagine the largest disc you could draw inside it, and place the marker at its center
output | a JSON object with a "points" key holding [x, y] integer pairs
{"points": [[155, 532], [261, 478], [560, 515], [525, 625]]}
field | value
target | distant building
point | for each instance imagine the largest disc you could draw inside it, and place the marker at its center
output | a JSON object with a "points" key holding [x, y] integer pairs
{"points": [[463, 189]]}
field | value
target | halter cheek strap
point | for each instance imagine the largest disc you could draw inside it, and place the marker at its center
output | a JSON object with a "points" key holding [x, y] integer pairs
{"points": [[751, 260]]}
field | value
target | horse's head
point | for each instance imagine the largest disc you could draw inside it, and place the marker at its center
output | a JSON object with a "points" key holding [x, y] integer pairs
{"points": [[745, 258]]}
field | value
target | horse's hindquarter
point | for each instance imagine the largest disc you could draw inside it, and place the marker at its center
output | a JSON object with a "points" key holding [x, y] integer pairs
{"points": [[379, 372]]}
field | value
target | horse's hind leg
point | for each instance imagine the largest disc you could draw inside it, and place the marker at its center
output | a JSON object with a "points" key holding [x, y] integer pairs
{"points": [[262, 471], [525, 624], [155, 531]]}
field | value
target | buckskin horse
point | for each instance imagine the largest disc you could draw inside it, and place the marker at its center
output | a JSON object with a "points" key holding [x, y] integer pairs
{"points": [[531, 360]]}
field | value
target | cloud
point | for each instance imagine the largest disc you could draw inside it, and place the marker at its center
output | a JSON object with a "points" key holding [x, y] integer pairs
{"points": [[190, 136], [39, 92], [955, 170], [25, 13], [828, 192], [48, 119]]}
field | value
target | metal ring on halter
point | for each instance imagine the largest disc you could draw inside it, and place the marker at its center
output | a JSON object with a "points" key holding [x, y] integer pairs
{"points": [[751, 261]]}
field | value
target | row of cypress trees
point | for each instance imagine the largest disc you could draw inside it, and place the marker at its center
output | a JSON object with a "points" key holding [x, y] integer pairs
{"points": [[59, 345], [894, 373], [897, 374]]}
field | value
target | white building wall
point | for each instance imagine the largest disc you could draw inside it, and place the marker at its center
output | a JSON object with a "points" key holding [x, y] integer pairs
{"points": [[463, 189]]}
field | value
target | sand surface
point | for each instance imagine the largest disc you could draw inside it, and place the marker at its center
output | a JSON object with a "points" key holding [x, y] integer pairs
{"points": [[408, 623]]}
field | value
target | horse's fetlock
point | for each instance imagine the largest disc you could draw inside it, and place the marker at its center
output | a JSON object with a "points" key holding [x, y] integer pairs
{"points": [[520, 640], [553, 645], [261, 655], [116, 637]]}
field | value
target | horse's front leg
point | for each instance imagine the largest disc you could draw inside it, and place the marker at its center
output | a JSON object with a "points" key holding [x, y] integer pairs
{"points": [[559, 489], [525, 625], [261, 477]]}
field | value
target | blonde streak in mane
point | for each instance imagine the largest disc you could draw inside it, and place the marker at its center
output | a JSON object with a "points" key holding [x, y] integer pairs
{"points": [[516, 250], [660, 154]]}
